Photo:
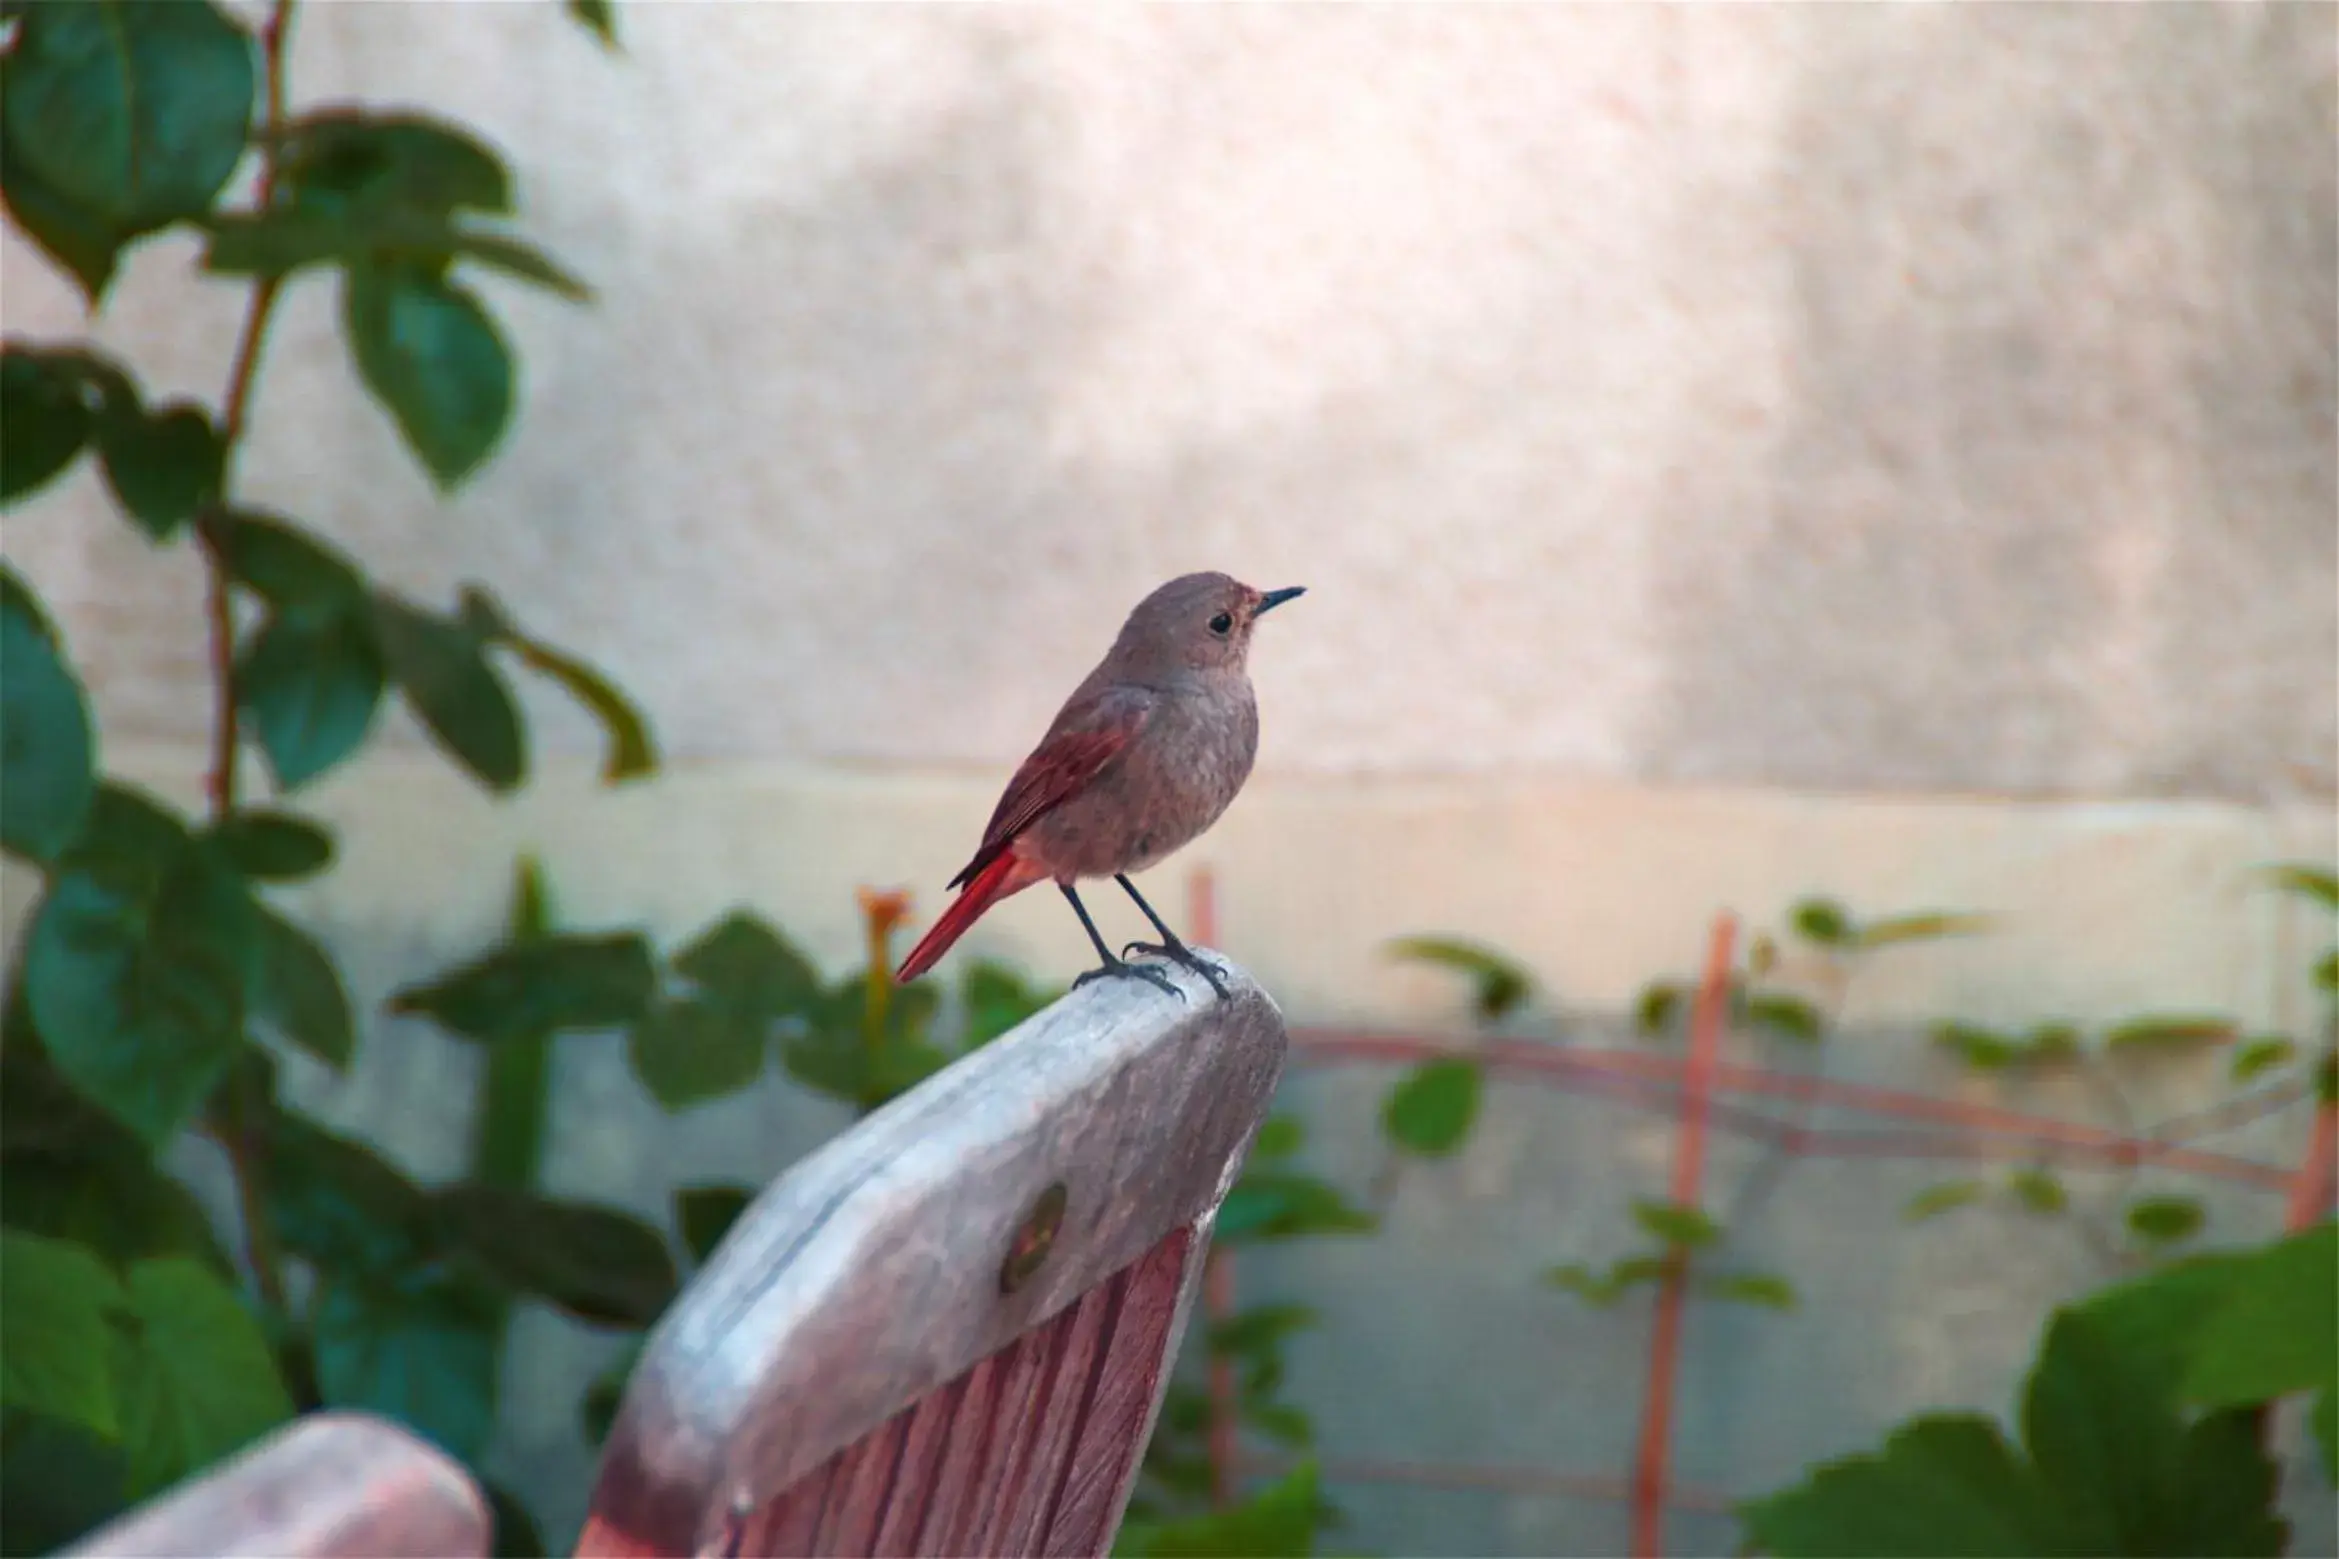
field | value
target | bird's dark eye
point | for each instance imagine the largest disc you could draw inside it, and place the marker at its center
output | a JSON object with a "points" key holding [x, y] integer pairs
{"points": [[1222, 624]]}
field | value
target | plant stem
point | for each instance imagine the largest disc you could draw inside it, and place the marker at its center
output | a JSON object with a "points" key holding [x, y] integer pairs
{"points": [[243, 1141]]}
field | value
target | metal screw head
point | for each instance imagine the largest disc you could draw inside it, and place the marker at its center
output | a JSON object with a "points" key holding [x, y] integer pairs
{"points": [[1034, 1238]]}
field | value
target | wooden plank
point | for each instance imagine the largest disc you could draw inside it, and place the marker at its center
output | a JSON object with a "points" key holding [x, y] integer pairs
{"points": [[328, 1486], [870, 1276]]}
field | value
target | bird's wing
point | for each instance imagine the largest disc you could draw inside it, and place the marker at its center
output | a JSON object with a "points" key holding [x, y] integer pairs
{"points": [[1073, 752]]}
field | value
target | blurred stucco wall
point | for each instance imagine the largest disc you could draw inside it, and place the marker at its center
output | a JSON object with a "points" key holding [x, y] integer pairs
{"points": [[1789, 401], [1906, 398]]}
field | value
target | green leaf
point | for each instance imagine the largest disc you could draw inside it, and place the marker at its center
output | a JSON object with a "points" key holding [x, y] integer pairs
{"points": [[705, 1213], [597, 1410], [134, 113], [2326, 973], [2319, 883], [1657, 1007], [2038, 1190], [2126, 1475], [2166, 1033], [1681, 1227], [272, 846], [137, 964], [1499, 984], [1789, 1017], [300, 995], [200, 1382], [289, 568], [340, 1204], [1985, 1050], [2323, 1418], [44, 418], [2164, 1220], [1823, 921], [742, 964], [2276, 1328], [56, 1344], [282, 241], [1279, 1522], [1430, 1112], [597, 16], [85, 246], [996, 1001], [548, 984], [453, 688], [2049, 1044], [47, 743], [162, 465], [428, 351], [1280, 1136], [602, 1266], [419, 1348], [1260, 1329], [1926, 927], [345, 163], [1605, 1288], [57, 1483], [1946, 1485], [1751, 1288], [1280, 1422], [2262, 1055], [631, 753], [687, 1051], [1280, 1204], [311, 686], [516, 1536], [1935, 1200]]}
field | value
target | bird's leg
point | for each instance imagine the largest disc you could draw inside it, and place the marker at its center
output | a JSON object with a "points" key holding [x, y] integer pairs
{"points": [[1169, 946], [1113, 966]]}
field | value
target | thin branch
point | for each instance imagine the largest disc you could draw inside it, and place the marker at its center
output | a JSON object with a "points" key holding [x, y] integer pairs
{"points": [[243, 1138]]}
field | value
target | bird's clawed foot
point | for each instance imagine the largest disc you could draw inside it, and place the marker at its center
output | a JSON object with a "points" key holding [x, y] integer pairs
{"points": [[1185, 957], [1114, 968]]}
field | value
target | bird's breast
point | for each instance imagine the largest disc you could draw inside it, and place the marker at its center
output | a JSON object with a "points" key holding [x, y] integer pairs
{"points": [[1169, 785]]}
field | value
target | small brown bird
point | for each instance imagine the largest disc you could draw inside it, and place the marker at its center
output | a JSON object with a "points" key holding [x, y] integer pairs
{"points": [[1145, 755]]}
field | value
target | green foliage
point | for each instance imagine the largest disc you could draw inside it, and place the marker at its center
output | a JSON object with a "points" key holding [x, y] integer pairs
{"points": [[1947, 1196], [2161, 1032], [2317, 883], [2165, 1220], [48, 747], [56, 1340], [1431, 1110], [2263, 1054], [120, 118], [2038, 1190], [1677, 1226], [155, 975], [2116, 1457], [1278, 1522], [703, 1214], [1498, 986]]}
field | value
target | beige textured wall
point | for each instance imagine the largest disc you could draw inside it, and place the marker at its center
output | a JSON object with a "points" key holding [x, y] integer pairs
{"points": [[1909, 398]]}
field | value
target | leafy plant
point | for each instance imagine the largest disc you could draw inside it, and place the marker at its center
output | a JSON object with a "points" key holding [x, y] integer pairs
{"points": [[2141, 1429], [157, 981]]}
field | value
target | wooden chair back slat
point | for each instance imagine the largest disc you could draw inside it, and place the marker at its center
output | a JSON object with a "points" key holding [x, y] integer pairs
{"points": [[328, 1486], [867, 1367]]}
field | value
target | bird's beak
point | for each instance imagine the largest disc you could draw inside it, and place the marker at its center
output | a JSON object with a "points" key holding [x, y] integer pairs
{"points": [[1275, 598]]}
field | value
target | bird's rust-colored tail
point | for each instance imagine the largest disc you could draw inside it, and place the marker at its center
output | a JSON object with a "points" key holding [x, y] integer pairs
{"points": [[1007, 873]]}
